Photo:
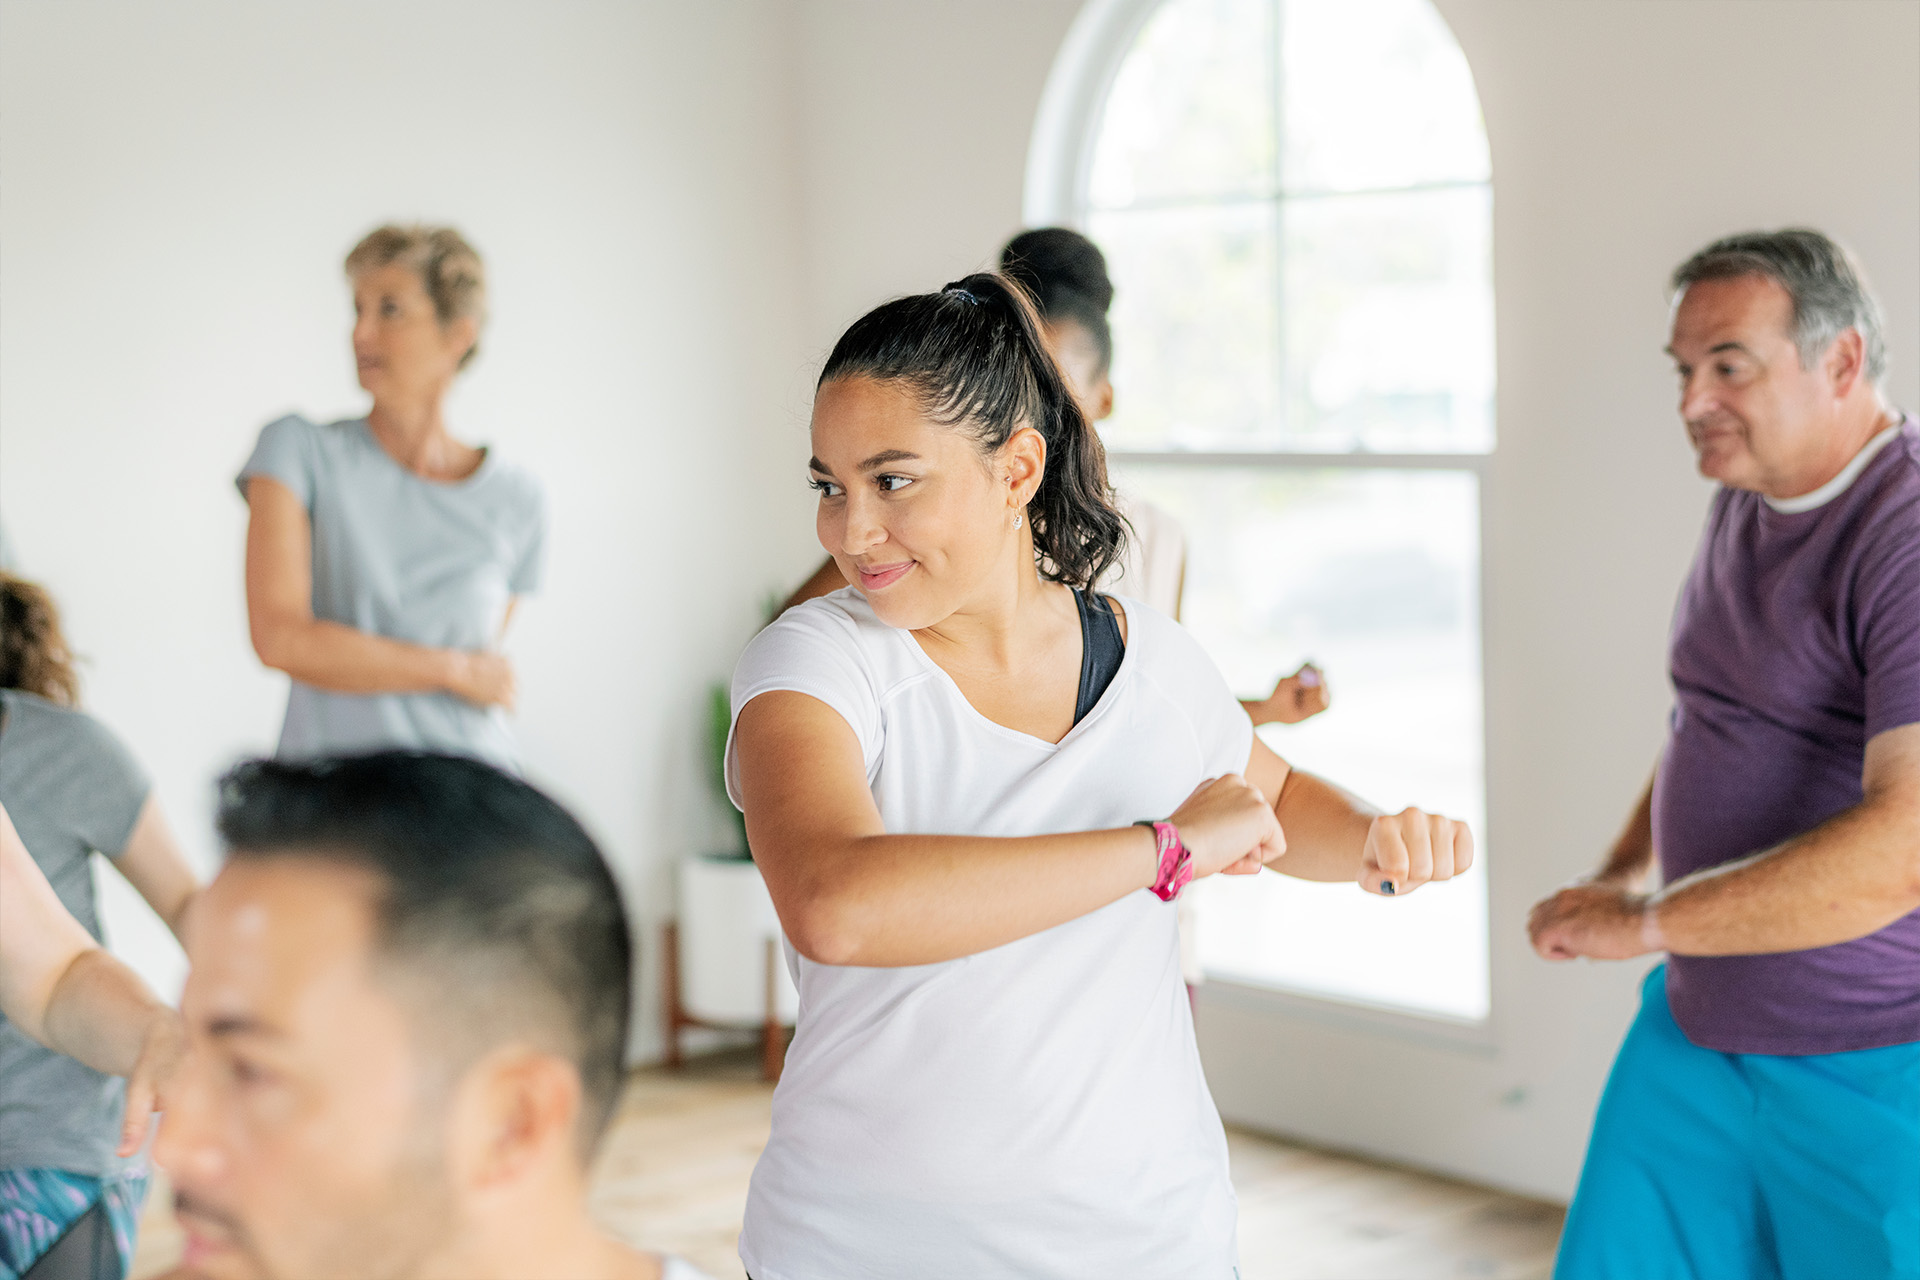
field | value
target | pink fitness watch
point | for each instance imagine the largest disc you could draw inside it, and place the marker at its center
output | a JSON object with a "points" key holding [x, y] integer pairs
{"points": [[1176, 862]]}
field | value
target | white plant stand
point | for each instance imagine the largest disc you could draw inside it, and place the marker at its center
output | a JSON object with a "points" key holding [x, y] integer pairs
{"points": [[722, 959]]}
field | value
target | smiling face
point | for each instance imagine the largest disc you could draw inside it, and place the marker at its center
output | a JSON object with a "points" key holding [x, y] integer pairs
{"points": [[1756, 417], [302, 1133], [400, 348], [912, 513]]}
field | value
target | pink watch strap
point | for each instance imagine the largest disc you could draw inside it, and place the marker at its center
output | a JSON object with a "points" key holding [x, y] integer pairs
{"points": [[1176, 863]]}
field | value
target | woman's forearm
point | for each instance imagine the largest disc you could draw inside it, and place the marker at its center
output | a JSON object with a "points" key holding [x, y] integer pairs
{"points": [[1326, 829], [100, 1013], [327, 655], [341, 659], [892, 900]]}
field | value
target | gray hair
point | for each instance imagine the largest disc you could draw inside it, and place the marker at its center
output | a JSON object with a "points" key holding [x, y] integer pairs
{"points": [[1821, 277]]}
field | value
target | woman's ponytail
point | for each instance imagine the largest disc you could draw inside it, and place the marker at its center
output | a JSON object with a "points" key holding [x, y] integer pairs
{"points": [[974, 357]]}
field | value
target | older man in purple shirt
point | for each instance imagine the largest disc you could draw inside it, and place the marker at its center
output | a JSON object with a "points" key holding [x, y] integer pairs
{"points": [[1763, 1115]]}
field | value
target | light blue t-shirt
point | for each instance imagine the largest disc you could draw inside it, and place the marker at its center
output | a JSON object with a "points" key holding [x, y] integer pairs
{"points": [[72, 790], [394, 555]]}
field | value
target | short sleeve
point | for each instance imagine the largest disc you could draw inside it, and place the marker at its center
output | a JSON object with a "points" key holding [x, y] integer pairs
{"points": [[1889, 628], [1188, 676], [284, 452], [110, 787], [530, 567], [810, 649]]}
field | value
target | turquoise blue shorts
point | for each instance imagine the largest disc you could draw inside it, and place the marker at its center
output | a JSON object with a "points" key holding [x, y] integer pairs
{"points": [[1746, 1166], [38, 1205]]}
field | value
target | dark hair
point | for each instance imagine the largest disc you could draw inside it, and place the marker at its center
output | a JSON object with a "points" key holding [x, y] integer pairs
{"points": [[1820, 277], [973, 357], [33, 653], [1067, 275], [490, 890]]}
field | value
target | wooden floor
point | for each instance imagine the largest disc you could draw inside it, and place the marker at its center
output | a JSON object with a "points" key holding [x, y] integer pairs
{"points": [[673, 1177]]}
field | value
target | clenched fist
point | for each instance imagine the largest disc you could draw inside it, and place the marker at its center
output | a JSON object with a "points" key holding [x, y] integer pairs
{"points": [[1407, 849]]}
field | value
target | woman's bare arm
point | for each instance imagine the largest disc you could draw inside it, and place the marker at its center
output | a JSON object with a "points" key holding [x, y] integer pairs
{"points": [[849, 893], [39, 940], [1333, 835], [153, 864], [328, 655], [62, 988]]}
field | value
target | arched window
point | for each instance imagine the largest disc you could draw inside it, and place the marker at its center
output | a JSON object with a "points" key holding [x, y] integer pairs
{"points": [[1295, 201]]}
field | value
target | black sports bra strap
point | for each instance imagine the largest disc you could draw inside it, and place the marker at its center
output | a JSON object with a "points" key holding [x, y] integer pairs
{"points": [[1101, 650]]}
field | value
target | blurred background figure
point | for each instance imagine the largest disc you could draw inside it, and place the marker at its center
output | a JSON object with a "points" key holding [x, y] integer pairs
{"points": [[385, 557], [406, 1014], [63, 1182], [73, 790], [1067, 275]]}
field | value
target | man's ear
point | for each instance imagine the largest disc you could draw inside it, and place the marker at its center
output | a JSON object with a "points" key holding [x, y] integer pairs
{"points": [[1845, 363], [511, 1113]]}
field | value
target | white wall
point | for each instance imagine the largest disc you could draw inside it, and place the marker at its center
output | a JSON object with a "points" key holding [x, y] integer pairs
{"points": [[180, 184], [914, 121]]}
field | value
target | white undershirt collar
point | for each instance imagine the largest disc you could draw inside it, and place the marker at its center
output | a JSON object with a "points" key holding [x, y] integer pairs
{"points": [[1838, 485]]}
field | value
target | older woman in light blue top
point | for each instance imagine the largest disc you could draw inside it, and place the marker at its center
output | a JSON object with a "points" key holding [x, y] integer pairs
{"points": [[385, 557]]}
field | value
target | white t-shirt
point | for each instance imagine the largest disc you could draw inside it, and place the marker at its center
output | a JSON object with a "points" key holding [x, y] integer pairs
{"points": [[1036, 1110]]}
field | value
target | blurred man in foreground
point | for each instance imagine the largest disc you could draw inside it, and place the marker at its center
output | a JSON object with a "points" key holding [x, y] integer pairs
{"points": [[406, 1015]]}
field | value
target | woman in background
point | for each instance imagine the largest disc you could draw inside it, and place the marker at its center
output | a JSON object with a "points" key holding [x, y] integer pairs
{"points": [[73, 790], [974, 785], [384, 557], [1067, 275]]}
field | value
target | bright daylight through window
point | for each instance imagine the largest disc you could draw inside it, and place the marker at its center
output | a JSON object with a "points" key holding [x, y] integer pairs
{"points": [[1294, 199]]}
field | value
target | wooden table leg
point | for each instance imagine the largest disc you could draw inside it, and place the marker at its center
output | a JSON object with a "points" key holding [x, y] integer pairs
{"points": [[672, 1015], [773, 1043]]}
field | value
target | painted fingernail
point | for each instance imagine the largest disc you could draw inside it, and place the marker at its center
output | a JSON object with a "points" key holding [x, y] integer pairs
{"points": [[1386, 887]]}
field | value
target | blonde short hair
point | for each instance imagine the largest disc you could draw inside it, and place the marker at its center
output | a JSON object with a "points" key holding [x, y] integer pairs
{"points": [[448, 267]]}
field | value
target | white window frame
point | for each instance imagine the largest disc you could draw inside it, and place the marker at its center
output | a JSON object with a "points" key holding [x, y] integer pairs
{"points": [[1059, 172]]}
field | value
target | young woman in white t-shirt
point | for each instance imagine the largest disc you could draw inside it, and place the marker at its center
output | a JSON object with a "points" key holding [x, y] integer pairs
{"points": [[943, 768]]}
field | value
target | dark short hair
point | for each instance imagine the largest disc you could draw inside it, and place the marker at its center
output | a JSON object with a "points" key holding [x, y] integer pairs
{"points": [[972, 357], [1067, 275], [1819, 276], [486, 883]]}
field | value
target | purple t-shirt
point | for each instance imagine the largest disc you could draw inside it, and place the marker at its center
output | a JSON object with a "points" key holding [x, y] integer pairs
{"points": [[1797, 639]]}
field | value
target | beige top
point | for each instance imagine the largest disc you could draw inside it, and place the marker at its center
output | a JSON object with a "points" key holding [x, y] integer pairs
{"points": [[1154, 565]]}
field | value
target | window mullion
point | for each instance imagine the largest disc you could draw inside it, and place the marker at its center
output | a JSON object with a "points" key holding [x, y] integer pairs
{"points": [[1275, 51]]}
